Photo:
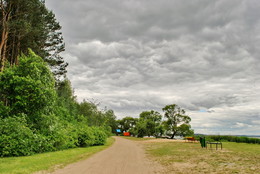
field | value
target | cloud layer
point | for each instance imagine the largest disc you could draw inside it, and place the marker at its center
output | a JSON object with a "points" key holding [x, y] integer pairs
{"points": [[141, 55]]}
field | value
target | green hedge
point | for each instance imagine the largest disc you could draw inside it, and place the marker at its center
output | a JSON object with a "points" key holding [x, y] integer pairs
{"points": [[237, 139], [17, 139]]}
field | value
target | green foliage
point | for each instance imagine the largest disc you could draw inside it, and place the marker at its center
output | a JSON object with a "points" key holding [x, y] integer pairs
{"points": [[237, 139], [36, 117], [15, 137], [141, 128], [185, 130], [159, 130], [177, 122], [89, 136], [110, 121], [31, 25], [151, 120], [86, 136], [48, 161], [27, 88], [39, 113], [150, 123], [100, 136], [127, 123]]}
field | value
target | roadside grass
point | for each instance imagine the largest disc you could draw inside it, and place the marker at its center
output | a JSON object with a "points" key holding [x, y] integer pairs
{"points": [[185, 157], [48, 161], [137, 139]]}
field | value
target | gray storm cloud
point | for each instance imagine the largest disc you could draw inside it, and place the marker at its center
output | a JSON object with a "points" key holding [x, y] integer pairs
{"points": [[141, 55]]}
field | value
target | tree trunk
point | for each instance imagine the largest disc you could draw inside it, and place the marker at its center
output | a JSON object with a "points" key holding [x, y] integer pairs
{"points": [[174, 133], [4, 36], [3, 47]]}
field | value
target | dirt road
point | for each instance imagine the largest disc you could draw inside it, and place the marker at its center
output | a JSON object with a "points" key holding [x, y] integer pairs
{"points": [[123, 157]]}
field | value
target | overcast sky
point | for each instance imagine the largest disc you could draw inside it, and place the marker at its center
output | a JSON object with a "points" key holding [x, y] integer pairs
{"points": [[137, 55]]}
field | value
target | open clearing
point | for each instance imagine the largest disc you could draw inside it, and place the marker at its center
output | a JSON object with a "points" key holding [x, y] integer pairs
{"points": [[180, 157]]}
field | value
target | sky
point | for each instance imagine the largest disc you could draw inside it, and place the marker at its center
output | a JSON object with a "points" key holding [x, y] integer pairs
{"points": [[139, 55]]}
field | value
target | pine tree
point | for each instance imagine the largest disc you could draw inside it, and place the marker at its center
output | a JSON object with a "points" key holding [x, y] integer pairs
{"points": [[29, 24]]}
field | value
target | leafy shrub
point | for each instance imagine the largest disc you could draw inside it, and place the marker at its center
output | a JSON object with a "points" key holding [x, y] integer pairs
{"points": [[108, 130], [100, 136], [42, 143], [86, 136], [15, 137]]}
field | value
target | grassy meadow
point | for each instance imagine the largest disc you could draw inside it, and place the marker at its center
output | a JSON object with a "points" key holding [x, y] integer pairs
{"points": [[188, 157], [48, 161]]}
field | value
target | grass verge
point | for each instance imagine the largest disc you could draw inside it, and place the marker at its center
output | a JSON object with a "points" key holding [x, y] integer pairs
{"points": [[180, 157], [48, 161]]}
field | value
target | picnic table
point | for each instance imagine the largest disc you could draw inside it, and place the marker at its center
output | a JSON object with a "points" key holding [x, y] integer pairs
{"points": [[216, 143]]}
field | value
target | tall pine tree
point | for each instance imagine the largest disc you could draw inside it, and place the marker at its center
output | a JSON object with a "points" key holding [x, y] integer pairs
{"points": [[29, 24]]}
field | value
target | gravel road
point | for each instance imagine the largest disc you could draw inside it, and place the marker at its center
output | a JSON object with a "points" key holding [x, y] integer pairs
{"points": [[123, 157]]}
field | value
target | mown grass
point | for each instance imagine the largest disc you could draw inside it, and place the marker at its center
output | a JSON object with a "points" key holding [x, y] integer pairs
{"points": [[48, 161], [180, 157]]}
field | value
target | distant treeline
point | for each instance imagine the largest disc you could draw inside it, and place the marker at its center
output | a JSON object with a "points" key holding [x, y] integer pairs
{"points": [[229, 138], [150, 123]]}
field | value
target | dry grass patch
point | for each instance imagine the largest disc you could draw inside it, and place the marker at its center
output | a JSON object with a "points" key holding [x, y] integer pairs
{"points": [[181, 157]]}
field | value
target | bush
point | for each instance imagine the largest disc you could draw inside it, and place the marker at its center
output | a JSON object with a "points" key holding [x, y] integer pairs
{"points": [[108, 130], [16, 138], [42, 143], [100, 136], [85, 136]]}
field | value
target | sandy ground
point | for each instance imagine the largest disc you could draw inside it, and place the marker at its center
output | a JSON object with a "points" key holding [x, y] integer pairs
{"points": [[123, 157]]}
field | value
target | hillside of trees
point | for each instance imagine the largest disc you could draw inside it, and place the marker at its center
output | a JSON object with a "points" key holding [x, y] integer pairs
{"points": [[38, 110]]}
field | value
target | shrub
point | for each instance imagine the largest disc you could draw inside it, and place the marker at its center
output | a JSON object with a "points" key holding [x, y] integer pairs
{"points": [[86, 136], [108, 130], [15, 137], [100, 136]]}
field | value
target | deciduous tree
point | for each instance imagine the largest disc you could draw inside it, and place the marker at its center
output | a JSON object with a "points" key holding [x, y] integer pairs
{"points": [[176, 119]]}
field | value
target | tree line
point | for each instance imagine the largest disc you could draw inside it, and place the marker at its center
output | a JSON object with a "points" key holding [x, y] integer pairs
{"points": [[38, 109], [151, 123]]}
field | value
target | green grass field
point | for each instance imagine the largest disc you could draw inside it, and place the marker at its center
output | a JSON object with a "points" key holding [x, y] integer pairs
{"points": [[48, 161], [186, 157]]}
